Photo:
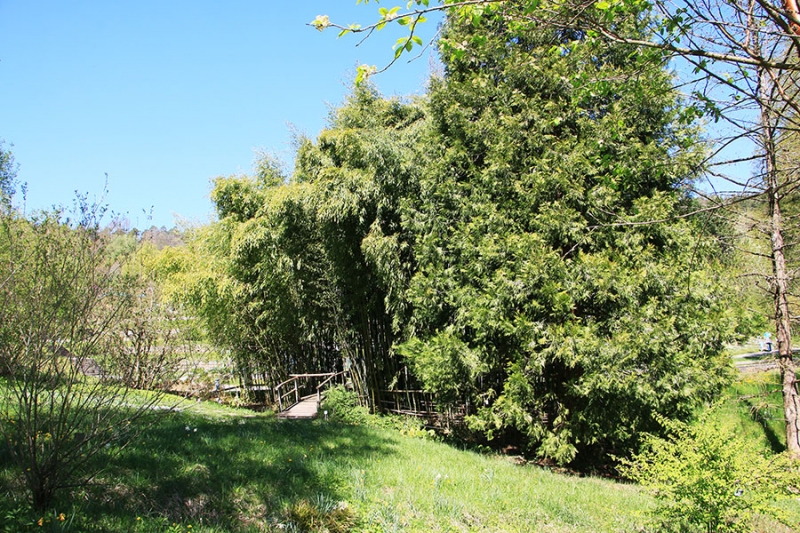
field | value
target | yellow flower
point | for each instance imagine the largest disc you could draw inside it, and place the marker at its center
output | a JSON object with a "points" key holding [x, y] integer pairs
{"points": [[61, 517], [40, 522]]}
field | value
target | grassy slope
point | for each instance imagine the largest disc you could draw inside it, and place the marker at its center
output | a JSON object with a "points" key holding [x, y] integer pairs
{"points": [[753, 406], [229, 473], [234, 472], [752, 409]]}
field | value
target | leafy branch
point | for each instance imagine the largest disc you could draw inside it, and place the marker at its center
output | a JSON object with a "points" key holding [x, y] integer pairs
{"points": [[672, 24]]}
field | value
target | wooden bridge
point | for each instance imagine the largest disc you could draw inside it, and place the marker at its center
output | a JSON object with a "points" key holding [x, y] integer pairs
{"points": [[292, 405]]}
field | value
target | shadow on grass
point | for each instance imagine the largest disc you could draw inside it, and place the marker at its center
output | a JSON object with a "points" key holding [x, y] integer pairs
{"points": [[236, 473], [774, 441]]}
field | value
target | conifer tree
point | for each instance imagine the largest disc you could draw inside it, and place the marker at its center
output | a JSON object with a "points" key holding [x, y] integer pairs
{"points": [[544, 292]]}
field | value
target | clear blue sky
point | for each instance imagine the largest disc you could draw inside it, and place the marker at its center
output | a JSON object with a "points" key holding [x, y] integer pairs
{"points": [[163, 96]]}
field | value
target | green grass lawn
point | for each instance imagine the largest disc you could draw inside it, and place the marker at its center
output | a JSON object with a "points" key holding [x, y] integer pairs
{"points": [[210, 468], [213, 469], [754, 407]]}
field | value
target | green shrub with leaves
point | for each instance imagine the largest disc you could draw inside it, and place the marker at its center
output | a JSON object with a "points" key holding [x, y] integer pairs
{"points": [[343, 405], [706, 478]]}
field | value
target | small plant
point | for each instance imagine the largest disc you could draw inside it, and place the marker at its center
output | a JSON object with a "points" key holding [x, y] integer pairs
{"points": [[321, 514], [706, 478], [405, 425]]}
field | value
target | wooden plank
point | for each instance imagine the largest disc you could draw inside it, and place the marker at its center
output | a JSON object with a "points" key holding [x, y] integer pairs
{"points": [[307, 408]]}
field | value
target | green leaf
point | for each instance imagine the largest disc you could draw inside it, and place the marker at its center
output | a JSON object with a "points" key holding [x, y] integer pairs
{"points": [[531, 7], [602, 5], [363, 72]]}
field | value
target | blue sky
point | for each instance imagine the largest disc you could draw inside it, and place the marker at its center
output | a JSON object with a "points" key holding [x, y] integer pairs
{"points": [[163, 96]]}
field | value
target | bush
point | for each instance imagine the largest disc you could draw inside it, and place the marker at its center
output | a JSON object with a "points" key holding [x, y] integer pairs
{"points": [[706, 478], [64, 302], [406, 425], [342, 405]]}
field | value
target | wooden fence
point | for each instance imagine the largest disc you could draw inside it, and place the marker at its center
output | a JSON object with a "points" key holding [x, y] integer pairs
{"points": [[423, 405]]}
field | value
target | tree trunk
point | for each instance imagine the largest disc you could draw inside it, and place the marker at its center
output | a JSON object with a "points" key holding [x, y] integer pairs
{"points": [[784, 328], [780, 283]]}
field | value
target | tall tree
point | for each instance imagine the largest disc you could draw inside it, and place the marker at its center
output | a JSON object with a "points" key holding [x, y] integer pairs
{"points": [[318, 263], [364, 168], [542, 293], [744, 56]]}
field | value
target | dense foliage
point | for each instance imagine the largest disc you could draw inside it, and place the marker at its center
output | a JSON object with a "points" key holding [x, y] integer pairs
{"points": [[305, 271], [707, 478], [8, 173], [519, 243], [558, 284]]}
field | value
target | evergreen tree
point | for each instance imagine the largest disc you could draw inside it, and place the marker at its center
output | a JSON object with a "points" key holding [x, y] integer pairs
{"points": [[544, 293]]}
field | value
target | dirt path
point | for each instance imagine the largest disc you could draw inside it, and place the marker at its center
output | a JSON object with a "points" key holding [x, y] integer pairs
{"points": [[749, 363]]}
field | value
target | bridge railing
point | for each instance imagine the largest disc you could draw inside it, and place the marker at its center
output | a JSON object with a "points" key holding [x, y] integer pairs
{"points": [[327, 380], [294, 389]]}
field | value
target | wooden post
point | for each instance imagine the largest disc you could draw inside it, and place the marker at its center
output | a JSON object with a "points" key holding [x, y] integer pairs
{"points": [[296, 394]]}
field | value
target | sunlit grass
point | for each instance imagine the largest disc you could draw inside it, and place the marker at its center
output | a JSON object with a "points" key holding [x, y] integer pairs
{"points": [[212, 469], [753, 406], [221, 470]]}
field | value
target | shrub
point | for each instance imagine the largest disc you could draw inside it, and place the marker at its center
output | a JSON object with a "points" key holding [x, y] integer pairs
{"points": [[706, 478], [64, 300], [406, 425], [342, 405]]}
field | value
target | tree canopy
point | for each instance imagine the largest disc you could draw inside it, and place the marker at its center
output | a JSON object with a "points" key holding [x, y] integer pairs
{"points": [[313, 267], [522, 242], [8, 173], [543, 291]]}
